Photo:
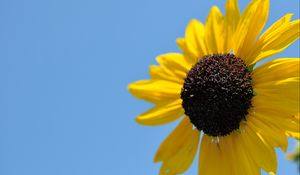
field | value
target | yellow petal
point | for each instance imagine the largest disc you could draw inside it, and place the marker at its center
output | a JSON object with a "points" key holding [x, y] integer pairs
{"points": [[247, 165], [173, 67], [275, 40], [178, 150], [250, 25], [161, 73], [259, 150], [272, 134], [277, 118], [291, 106], [175, 63], [193, 45], [278, 69], [214, 158], [155, 91], [162, 113], [295, 135], [194, 36], [214, 37], [182, 44], [226, 143], [278, 89], [271, 82], [284, 20], [231, 21]]}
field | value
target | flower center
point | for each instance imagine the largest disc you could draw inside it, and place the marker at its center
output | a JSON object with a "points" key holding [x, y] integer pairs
{"points": [[217, 94]]}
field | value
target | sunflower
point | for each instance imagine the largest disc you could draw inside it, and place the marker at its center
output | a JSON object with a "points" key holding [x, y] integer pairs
{"points": [[237, 112]]}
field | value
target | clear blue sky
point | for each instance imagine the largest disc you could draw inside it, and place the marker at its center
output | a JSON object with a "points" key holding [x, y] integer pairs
{"points": [[64, 70]]}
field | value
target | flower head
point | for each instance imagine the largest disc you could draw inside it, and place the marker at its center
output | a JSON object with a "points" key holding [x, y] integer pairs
{"points": [[240, 112]]}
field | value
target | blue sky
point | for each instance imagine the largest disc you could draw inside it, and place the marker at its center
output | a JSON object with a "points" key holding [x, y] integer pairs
{"points": [[64, 70]]}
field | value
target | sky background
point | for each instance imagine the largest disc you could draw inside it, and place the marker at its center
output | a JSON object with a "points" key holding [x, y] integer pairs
{"points": [[64, 70]]}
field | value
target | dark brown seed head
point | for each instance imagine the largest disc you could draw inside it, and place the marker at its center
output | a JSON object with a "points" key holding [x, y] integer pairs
{"points": [[217, 94]]}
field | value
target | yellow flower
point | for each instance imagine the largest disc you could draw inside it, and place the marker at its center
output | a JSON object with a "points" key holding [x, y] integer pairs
{"points": [[242, 112]]}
